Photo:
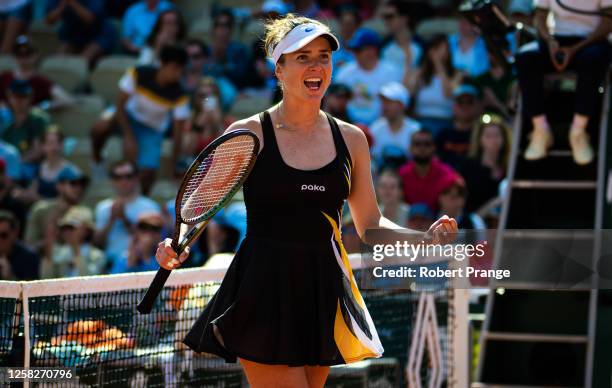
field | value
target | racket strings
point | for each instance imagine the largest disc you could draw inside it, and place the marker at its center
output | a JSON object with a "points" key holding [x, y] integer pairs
{"points": [[216, 176]]}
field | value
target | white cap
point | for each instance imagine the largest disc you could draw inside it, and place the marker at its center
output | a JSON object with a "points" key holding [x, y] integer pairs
{"points": [[395, 91], [300, 36]]}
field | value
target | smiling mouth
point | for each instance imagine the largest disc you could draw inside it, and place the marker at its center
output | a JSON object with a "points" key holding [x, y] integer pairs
{"points": [[313, 83]]}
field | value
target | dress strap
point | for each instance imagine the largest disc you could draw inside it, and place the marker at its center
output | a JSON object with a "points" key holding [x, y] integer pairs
{"points": [[341, 147], [268, 132]]}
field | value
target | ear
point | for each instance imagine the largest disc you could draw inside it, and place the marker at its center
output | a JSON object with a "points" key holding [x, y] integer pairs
{"points": [[278, 71]]}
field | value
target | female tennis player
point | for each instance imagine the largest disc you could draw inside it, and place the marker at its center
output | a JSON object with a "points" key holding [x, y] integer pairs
{"points": [[289, 307]]}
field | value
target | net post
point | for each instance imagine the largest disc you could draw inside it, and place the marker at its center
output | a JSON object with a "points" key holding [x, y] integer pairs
{"points": [[460, 300], [26, 329]]}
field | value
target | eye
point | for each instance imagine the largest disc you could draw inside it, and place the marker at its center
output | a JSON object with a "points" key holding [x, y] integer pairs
{"points": [[325, 58], [302, 58]]}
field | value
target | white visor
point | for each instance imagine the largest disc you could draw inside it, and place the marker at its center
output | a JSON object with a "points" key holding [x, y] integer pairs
{"points": [[299, 37]]}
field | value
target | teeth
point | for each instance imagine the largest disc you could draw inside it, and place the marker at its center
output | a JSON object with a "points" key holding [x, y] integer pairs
{"points": [[313, 80]]}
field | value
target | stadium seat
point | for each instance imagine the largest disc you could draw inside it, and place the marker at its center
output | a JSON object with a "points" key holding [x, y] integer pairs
{"points": [[7, 62], [97, 191], [253, 30], [377, 25], [427, 29], [105, 77], [76, 120], [248, 105], [192, 10], [163, 190], [200, 29], [44, 38], [80, 154], [68, 71], [113, 150], [333, 25]]}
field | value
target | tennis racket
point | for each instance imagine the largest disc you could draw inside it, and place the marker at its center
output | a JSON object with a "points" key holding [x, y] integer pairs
{"points": [[211, 181]]}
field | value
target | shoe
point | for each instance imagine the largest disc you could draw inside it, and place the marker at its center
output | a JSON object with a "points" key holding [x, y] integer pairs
{"points": [[581, 147], [540, 141]]}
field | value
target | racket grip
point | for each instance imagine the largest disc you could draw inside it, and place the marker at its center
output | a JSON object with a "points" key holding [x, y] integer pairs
{"points": [[146, 304]]}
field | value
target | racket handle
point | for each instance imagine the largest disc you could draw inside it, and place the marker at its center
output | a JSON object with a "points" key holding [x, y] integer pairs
{"points": [[146, 304]]}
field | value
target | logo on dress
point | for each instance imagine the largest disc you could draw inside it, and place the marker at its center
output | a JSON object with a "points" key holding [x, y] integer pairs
{"points": [[313, 188]]}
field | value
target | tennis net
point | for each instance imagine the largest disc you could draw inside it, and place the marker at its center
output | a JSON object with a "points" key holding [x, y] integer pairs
{"points": [[90, 324]]}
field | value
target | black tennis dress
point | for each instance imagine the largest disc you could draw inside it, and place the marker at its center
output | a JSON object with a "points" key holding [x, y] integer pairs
{"points": [[289, 295]]}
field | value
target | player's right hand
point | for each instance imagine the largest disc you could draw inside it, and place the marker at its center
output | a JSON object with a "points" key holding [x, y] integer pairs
{"points": [[166, 256]]}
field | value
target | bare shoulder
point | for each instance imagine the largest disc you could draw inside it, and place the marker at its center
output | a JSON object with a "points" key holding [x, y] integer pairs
{"points": [[251, 123], [354, 138]]}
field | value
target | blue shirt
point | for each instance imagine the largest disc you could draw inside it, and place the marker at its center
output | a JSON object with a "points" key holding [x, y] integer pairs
{"points": [[474, 61], [138, 21], [121, 265], [12, 158]]}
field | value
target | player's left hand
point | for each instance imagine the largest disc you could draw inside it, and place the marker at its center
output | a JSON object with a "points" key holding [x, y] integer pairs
{"points": [[443, 231]]}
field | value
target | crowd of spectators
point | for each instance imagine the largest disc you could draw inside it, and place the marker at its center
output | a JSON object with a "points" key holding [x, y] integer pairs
{"points": [[435, 106]]}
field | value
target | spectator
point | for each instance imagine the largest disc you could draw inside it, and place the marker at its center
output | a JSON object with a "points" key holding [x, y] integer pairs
{"points": [[142, 246], [8, 199], [452, 203], [45, 213], [228, 56], [391, 197], [336, 104], [453, 143], [73, 255], [432, 86], [424, 176], [43, 90], [47, 173], [27, 124], [496, 85], [225, 232], [487, 164], [402, 51], [521, 11], [84, 28], [169, 29], [365, 76], [420, 217], [199, 54], [151, 100], [17, 262], [207, 119], [15, 16], [138, 22], [350, 20], [468, 49], [115, 216], [394, 129], [578, 43]]}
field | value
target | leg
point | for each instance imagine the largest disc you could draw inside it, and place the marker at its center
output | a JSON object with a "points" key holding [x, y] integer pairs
{"points": [[91, 53], [100, 132], [316, 375], [13, 28], [277, 376], [533, 62], [591, 64], [149, 144]]}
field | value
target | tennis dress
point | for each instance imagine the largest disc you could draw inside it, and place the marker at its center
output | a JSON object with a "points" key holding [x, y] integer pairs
{"points": [[289, 296]]}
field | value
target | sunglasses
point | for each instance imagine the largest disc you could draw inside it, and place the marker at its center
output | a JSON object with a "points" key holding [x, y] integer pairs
{"points": [[196, 56], [422, 143], [123, 176], [223, 24], [144, 227], [388, 16], [67, 227]]}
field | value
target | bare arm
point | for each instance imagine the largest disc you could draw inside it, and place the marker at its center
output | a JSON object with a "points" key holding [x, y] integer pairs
{"points": [[539, 22], [600, 33], [362, 198], [177, 132], [82, 12], [55, 14]]}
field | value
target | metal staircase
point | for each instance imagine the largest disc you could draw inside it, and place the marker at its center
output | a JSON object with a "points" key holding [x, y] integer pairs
{"points": [[539, 329]]}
